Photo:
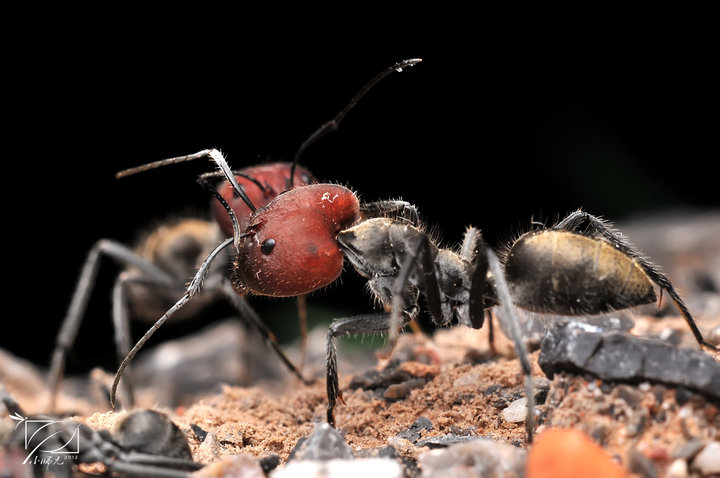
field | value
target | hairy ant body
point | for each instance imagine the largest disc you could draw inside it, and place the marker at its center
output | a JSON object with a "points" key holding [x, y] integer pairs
{"points": [[298, 242]]}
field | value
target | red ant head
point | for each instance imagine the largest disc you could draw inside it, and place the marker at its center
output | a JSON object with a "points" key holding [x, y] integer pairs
{"points": [[290, 246], [262, 183]]}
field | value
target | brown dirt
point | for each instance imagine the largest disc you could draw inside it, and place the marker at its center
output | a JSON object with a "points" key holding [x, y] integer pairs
{"points": [[643, 426], [452, 380]]}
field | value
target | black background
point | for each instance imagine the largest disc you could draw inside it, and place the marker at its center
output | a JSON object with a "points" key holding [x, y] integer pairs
{"points": [[489, 130]]}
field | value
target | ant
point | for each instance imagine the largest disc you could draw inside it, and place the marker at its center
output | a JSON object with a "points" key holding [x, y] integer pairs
{"points": [[158, 269], [297, 243]]}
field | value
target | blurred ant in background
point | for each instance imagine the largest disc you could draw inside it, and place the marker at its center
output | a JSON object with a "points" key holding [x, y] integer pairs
{"points": [[158, 269]]}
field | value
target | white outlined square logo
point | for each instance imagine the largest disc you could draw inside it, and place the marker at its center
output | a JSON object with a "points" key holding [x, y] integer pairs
{"points": [[41, 440]]}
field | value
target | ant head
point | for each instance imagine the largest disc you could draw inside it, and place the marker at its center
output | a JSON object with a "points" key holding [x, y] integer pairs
{"points": [[290, 246], [262, 183]]}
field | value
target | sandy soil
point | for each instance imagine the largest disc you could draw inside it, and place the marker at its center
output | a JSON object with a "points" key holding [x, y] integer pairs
{"points": [[452, 379]]}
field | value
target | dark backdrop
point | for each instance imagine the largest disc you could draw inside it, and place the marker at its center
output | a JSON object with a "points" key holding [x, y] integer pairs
{"points": [[485, 134]]}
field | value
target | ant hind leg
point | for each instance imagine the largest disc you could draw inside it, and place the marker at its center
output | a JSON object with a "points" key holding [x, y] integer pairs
{"points": [[599, 228]]}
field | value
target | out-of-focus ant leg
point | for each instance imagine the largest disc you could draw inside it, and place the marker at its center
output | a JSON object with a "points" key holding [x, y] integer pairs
{"points": [[71, 323], [512, 325], [249, 314], [192, 289]]}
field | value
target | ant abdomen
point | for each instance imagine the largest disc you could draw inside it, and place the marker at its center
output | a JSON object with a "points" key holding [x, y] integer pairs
{"points": [[566, 273]]}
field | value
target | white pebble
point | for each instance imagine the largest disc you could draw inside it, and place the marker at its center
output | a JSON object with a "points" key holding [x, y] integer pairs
{"points": [[516, 411], [708, 460]]}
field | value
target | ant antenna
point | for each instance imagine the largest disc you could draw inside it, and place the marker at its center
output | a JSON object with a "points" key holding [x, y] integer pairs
{"points": [[334, 123], [213, 154]]}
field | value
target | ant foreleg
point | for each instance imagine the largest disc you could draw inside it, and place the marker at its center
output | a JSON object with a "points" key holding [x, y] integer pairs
{"points": [[418, 255], [512, 325], [599, 228], [361, 324], [71, 323], [192, 289], [471, 252]]}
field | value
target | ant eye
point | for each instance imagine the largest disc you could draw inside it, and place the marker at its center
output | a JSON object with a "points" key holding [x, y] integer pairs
{"points": [[267, 246]]}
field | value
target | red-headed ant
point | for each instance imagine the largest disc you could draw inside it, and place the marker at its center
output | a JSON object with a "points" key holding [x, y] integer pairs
{"points": [[158, 269], [298, 242]]}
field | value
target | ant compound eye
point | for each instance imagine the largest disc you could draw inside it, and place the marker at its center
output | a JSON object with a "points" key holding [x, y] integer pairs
{"points": [[267, 246]]}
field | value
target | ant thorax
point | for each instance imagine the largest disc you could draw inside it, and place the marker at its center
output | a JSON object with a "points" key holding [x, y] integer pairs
{"points": [[379, 247]]}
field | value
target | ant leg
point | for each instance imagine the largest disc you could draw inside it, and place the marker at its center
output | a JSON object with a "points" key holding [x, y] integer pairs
{"points": [[121, 323], [303, 326], [471, 252], [192, 289], [512, 325], [361, 324], [248, 313], [71, 323], [600, 228], [491, 333], [418, 254]]}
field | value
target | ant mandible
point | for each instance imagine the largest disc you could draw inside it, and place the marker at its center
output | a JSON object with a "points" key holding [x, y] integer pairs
{"points": [[159, 267]]}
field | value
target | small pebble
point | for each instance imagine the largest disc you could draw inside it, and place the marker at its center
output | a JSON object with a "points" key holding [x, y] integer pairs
{"points": [[707, 461], [516, 411], [677, 469], [359, 468]]}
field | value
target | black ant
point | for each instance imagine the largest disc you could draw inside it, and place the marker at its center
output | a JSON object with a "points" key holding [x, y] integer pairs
{"points": [[159, 267], [298, 242]]}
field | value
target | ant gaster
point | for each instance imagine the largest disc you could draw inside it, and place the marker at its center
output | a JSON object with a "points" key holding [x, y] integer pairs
{"points": [[159, 267]]}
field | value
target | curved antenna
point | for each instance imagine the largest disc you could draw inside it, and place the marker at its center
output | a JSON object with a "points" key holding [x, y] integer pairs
{"points": [[333, 124], [213, 154]]}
